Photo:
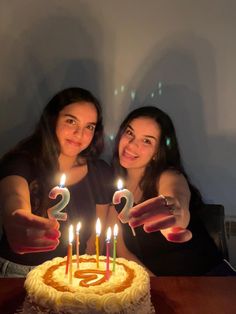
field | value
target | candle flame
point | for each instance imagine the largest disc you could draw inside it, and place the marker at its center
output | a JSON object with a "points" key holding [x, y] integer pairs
{"points": [[71, 234], [78, 227], [108, 234], [98, 227], [115, 230], [63, 180], [119, 184]]}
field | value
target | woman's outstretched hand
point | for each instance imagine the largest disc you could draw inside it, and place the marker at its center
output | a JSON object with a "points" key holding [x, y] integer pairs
{"points": [[160, 214], [28, 233]]}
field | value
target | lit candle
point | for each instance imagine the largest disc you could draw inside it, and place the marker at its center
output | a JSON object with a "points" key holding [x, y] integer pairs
{"points": [[124, 214], [69, 250], [115, 233], [77, 243], [108, 252], [71, 238], [98, 232], [55, 211]]}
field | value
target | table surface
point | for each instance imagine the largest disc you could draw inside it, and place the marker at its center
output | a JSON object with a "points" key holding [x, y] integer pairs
{"points": [[170, 295]]}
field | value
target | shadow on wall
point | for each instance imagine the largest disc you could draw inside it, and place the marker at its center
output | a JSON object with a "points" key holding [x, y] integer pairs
{"points": [[179, 77], [53, 52]]}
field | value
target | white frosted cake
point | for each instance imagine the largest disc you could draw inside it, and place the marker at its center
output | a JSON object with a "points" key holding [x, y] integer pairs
{"points": [[49, 290]]}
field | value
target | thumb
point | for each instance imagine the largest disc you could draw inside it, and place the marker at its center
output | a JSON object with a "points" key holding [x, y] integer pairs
{"points": [[26, 218]]}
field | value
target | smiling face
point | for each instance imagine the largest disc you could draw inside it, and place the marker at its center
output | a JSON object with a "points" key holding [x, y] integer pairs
{"points": [[139, 143], [75, 128]]}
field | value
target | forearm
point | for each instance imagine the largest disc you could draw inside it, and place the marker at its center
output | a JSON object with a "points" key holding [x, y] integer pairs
{"points": [[12, 203], [14, 194]]}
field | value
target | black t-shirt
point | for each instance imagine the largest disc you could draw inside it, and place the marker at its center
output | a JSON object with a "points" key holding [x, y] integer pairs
{"points": [[95, 188], [195, 257]]}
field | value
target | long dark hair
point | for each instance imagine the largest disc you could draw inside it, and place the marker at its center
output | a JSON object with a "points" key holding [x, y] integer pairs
{"points": [[167, 157], [42, 147]]}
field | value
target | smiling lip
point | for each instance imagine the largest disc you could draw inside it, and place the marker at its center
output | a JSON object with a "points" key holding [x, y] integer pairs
{"points": [[74, 143], [129, 155]]}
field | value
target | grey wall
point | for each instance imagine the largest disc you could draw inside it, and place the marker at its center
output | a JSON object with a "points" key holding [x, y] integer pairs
{"points": [[179, 55]]}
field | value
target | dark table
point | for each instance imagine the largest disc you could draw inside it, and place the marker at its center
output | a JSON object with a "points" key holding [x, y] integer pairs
{"points": [[170, 295]]}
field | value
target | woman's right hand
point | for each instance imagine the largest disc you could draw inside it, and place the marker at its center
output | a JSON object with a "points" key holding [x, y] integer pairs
{"points": [[155, 215], [28, 233]]}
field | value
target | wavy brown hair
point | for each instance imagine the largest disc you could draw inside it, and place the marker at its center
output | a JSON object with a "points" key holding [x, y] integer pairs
{"points": [[167, 156]]}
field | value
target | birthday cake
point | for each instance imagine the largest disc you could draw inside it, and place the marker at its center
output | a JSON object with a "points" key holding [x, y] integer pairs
{"points": [[90, 289]]}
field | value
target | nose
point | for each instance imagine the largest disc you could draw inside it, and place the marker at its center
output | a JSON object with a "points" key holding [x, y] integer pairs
{"points": [[78, 131], [134, 141]]}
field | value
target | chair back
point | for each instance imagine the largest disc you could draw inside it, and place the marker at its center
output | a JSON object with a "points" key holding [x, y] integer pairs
{"points": [[213, 217]]}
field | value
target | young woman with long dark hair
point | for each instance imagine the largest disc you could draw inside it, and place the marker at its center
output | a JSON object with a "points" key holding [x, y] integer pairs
{"points": [[147, 158], [68, 139]]}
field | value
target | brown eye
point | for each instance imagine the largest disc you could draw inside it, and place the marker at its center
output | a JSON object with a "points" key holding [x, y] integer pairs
{"points": [[91, 127], [71, 121], [129, 132], [147, 141]]}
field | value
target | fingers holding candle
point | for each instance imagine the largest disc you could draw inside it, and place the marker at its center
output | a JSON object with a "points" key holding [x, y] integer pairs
{"points": [[155, 205], [160, 214], [156, 211], [31, 233]]}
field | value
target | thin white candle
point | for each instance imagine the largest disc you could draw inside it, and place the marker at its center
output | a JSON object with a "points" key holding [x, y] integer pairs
{"points": [[78, 227], [71, 234], [108, 253], [115, 233], [71, 238], [98, 232]]}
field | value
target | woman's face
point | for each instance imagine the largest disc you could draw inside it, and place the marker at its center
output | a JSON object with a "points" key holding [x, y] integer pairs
{"points": [[75, 127], [139, 143]]}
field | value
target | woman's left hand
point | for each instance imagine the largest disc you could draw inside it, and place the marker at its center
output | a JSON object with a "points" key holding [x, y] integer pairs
{"points": [[160, 214]]}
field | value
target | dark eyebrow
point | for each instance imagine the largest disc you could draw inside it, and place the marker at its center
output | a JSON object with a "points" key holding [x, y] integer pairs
{"points": [[129, 126], [70, 115], [74, 117], [148, 136]]}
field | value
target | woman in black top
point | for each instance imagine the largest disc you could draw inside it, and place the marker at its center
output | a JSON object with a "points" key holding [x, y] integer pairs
{"points": [[147, 157], [68, 139]]}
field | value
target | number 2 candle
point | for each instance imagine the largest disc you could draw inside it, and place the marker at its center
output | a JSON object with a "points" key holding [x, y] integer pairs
{"points": [[55, 211], [124, 214]]}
